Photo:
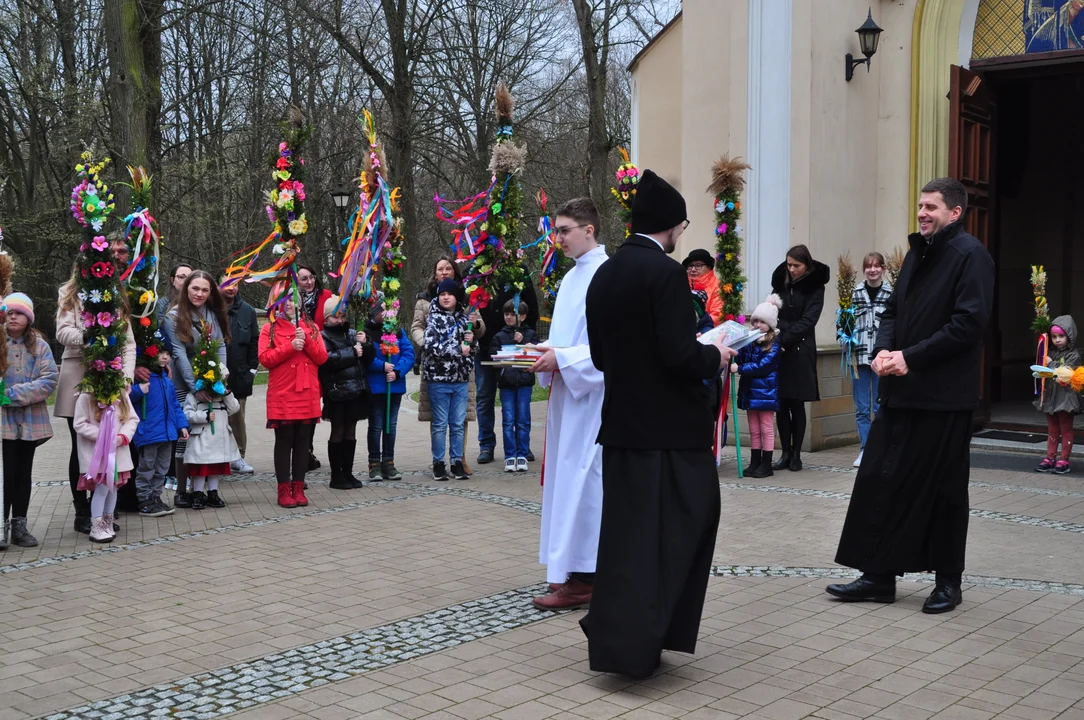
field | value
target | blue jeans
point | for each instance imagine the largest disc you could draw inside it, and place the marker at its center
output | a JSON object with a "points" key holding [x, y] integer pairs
{"points": [[865, 400], [485, 378], [378, 410], [516, 421], [449, 404]]}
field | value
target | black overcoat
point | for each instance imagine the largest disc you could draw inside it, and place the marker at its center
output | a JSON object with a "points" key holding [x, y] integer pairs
{"points": [[660, 507], [803, 302], [909, 508]]}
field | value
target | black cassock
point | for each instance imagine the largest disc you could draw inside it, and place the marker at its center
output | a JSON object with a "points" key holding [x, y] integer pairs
{"points": [[909, 510], [660, 515], [660, 506]]}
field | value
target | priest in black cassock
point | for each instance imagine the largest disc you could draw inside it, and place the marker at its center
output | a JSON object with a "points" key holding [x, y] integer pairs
{"points": [[909, 509], [660, 500]]}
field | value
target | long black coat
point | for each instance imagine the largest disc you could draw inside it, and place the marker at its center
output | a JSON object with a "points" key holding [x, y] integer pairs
{"points": [[660, 507], [643, 338], [344, 376], [803, 302], [937, 317], [242, 353]]}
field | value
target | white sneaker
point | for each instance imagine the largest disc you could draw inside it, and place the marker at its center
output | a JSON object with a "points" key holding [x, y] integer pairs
{"points": [[241, 467], [510, 465], [521, 464], [858, 461]]}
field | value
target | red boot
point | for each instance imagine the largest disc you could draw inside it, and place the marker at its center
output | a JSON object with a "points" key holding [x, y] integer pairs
{"points": [[299, 493], [286, 496], [572, 594]]}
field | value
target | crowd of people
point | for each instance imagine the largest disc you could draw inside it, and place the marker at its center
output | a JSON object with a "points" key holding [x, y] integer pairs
{"points": [[631, 500]]}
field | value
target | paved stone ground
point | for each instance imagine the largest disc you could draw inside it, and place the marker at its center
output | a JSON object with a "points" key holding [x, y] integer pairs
{"points": [[410, 599]]}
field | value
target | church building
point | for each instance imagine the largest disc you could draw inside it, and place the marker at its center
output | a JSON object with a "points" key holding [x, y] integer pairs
{"points": [[984, 91]]}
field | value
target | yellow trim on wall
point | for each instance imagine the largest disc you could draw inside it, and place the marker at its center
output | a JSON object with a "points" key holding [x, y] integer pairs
{"points": [[916, 49], [938, 27]]}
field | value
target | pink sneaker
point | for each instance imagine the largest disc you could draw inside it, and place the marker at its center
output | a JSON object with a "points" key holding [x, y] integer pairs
{"points": [[1062, 467], [1047, 465]]}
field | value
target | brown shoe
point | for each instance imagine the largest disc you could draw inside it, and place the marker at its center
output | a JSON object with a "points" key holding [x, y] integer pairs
{"points": [[554, 587], [573, 594]]}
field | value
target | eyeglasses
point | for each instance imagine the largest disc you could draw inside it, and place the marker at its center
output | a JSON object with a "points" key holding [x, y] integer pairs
{"points": [[685, 224], [566, 229], [696, 266]]}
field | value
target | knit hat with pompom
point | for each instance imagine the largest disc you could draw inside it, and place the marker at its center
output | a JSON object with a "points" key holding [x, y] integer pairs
{"points": [[768, 311]]}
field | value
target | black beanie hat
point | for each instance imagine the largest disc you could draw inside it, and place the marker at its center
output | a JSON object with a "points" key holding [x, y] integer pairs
{"points": [[657, 207], [699, 255], [449, 285]]}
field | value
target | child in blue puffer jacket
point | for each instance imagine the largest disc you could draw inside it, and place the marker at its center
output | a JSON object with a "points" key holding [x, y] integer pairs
{"points": [[381, 372], [758, 392], [161, 423]]}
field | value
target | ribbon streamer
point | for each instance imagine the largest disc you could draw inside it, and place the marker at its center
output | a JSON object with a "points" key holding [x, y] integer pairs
{"points": [[103, 463]]}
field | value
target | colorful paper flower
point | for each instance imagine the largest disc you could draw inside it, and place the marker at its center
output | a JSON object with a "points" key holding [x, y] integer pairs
{"points": [[105, 319], [100, 243]]}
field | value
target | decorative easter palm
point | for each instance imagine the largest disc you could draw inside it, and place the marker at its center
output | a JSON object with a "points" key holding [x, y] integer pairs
{"points": [[627, 178], [286, 209], [552, 260], [493, 251], [104, 329], [141, 278], [845, 320], [727, 183], [207, 368]]}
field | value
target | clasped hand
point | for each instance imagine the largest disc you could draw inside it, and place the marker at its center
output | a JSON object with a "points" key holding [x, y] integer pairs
{"points": [[889, 363]]}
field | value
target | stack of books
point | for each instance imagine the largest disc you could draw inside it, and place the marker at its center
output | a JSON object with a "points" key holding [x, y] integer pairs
{"points": [[520, 356]]}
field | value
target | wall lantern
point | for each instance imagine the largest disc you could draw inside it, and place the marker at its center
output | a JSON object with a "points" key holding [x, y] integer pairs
{"points": [[868, 35], [340, 197]]}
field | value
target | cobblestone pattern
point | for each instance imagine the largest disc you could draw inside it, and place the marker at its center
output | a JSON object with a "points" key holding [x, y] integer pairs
{"points": [[837, 573], [244, 685]]}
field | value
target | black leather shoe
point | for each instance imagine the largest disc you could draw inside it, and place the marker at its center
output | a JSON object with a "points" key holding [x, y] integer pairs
{"points": [[82, 524], [485, 457], [795, 462], [182, 500], [944, 598], [783, 463], [864, 590]]}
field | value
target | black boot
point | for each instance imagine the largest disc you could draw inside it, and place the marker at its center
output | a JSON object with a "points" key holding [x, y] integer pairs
{"points": [[755, 460], [765, 468], [181, 498], [784, 460], [346, 463], [334, 457], [796, 459]]}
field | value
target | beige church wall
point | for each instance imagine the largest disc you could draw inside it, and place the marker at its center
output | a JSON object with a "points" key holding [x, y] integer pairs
{"points": [[658, 106], [714, 89], [851, 140]]}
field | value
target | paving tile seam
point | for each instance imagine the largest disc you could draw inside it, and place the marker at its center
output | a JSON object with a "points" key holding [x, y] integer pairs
{"points": [[841, 573], [168, 539], [1031, 520], [288, 673], [528, 506]]}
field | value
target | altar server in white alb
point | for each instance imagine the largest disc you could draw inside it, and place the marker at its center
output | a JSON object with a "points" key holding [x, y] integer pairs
{"points": [[572, 471]]}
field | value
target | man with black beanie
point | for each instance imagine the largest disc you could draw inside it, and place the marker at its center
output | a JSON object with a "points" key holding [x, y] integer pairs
{"points": [[660, 505]]}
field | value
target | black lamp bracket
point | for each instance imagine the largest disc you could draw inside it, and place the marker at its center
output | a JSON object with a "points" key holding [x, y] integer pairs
{"points": [[850, 63]]}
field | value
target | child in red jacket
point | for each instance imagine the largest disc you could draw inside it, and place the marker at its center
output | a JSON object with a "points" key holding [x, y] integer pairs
{"points": [[292, 355]]}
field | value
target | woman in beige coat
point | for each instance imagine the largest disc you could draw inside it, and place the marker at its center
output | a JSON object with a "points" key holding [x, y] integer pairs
{"points": [[69, 333], [445, 267]]}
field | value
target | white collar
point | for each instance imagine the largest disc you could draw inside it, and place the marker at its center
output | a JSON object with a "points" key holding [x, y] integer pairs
{"points": [[653, 240], [593, 252]]}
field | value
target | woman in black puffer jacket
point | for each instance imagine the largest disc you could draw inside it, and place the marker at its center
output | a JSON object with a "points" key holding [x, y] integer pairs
{"points": [[344, 385], [800, 283]]}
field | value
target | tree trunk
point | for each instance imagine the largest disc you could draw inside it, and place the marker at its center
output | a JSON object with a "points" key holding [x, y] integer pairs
{"points": [[596, 180], [134, 52]]}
